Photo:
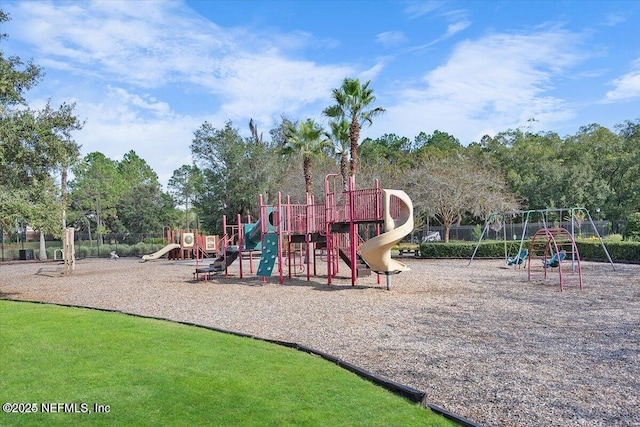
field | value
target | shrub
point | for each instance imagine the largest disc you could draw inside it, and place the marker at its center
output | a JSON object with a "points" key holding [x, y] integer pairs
{"points": [[632, 231], [489, 249], [476, 232], [12, 254], [83, 251], [589, 249], [142, 249], [619, 251]]}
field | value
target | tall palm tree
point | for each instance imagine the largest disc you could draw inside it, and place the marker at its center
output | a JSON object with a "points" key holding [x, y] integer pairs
{"points": [[340, 137], [309, 140], [353, 101]]}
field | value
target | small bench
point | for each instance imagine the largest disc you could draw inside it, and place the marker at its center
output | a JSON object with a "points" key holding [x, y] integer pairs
{"points": [[415, 251], [206, 272]]}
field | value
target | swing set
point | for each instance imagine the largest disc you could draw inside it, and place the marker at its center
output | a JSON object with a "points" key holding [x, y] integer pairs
{"points": [[551, 245]]}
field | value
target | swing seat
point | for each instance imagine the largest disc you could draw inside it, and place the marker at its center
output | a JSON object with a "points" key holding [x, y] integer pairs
{"points": [[555, 260], [519, 259]]}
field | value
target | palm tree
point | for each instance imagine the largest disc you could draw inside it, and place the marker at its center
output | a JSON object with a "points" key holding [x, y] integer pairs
{"points": [[340, 137], [308, 139], [352, 102]]}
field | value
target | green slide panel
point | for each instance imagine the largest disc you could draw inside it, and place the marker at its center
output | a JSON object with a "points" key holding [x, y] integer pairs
{"points": [[252, 236], [269, 255]]}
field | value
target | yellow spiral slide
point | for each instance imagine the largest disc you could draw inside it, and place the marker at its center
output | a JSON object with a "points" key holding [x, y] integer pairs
{"points": [[377, 251]]}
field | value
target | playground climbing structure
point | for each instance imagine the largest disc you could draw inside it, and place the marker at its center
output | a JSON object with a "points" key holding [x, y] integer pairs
{"points": [[555, 249], [357, 226], [575, 219], [186, 244]]}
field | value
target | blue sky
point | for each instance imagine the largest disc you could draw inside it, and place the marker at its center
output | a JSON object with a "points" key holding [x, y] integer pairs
{"points": [[146, 74]]}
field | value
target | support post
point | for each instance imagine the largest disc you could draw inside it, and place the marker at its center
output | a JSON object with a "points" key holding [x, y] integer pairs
{"points": [[69, 251], [225, 243], [240, 243], [279, 234], [353, 234]]}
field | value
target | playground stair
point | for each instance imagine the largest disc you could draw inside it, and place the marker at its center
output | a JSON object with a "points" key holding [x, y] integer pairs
{"points": [[361, 267], [199, 252]]}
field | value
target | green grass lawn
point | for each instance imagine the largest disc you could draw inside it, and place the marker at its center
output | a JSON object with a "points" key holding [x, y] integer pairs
{"points": [[152, 372]]}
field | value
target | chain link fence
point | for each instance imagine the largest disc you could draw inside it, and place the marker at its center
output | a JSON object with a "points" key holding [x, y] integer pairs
{"points": [[27, 246], [470, 233]]}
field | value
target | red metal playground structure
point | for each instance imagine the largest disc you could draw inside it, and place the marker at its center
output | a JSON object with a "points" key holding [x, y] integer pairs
{"points": [[357, 226], [554, 247]]}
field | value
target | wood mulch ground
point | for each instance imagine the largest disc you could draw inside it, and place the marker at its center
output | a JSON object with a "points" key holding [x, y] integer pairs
{"points": [[481, 340]]}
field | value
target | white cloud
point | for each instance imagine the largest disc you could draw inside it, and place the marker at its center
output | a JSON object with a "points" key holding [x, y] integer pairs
{"points": [[147, 102], [115, 128], [499, 81], [416, 9], [148, 45], [456, 28], [452, 29], [157, 43], [372, 72], [627, 86], [391, 38], [614, 19], [123, 59], [258, 85]]}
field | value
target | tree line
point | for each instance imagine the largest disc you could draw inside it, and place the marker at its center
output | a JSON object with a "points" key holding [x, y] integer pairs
{"points": [[596, 168]]}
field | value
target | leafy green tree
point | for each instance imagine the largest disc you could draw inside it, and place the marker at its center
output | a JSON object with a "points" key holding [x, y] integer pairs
{"points": [[136, 171], [277, 132], [532, 165], [437, 144], [184, 185], [594, 168], [354, 103], [235, 171], [308, 140], [57, 142], [143, 208], [627, 185], [589, 156], [34, 146], [632, 231], [389, 149], [385, 158], [16, 77], [96, 190]]}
